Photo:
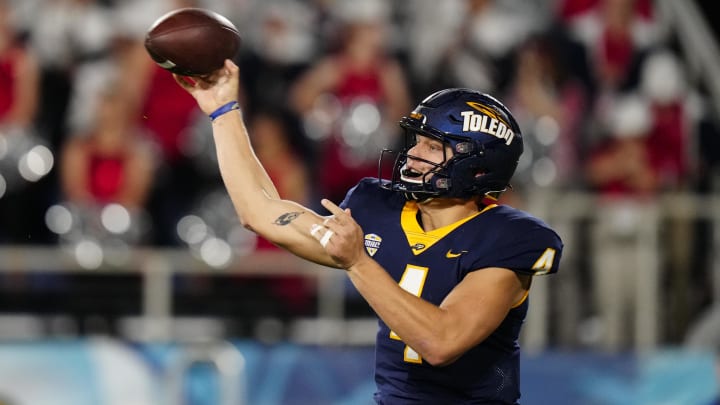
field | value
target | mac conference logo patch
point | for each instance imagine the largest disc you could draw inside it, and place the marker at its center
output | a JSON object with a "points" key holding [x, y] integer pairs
{"points": [[372, 243]]}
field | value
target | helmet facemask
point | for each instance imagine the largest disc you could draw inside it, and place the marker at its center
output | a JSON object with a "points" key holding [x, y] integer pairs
{"points": [[465, 174], [417, 186]]}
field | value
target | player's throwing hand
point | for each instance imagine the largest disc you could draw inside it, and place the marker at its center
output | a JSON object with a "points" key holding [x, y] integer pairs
{"points": [[214, 90]]}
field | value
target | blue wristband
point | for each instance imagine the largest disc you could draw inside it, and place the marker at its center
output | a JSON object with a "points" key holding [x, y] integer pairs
{"points": [[233, 105]]}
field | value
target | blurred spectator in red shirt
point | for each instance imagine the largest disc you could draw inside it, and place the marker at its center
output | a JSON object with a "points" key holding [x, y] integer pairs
{"points": [[111, 163], [647, 151], [569, 9], [621, 165], [350, 100], [19, 77], [616, 35], [106, 173], [663, 83]]}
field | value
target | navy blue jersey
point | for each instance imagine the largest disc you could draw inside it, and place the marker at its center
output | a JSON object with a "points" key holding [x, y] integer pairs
{"points": [[430, 264]]}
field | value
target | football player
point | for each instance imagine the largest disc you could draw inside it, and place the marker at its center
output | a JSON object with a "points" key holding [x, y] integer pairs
{"points": [[445, 267]]}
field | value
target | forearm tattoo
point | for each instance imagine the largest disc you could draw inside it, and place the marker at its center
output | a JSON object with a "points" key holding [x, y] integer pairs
{"points": [[286, 218]]}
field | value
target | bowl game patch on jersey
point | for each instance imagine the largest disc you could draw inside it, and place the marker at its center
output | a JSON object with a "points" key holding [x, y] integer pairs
{"points": [[372, 243]]}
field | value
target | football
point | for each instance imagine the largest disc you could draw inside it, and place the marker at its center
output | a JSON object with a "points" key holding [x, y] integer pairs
{"points": [[192, 41]]}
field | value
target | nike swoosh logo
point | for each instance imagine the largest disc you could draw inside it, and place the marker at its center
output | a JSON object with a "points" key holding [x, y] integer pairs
{"points": [[451, 255]]}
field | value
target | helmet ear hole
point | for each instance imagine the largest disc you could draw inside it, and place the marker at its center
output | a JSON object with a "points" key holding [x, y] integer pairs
{"points": [[443, 184], [464, 147]]}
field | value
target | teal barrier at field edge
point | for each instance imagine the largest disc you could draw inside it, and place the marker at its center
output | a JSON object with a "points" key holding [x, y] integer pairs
{"points": [[111, 372]]}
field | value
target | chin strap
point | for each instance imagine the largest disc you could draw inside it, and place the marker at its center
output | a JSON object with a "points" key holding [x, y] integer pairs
{"points": [[410, 196], [488, 200]]}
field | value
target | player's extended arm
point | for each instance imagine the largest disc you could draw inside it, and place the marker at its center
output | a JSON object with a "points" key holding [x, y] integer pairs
{"points": [[254, 196], [440, 334]]}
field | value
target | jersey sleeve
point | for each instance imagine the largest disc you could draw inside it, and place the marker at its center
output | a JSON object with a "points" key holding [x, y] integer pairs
{"points": [[530, 247], [355, 197]]}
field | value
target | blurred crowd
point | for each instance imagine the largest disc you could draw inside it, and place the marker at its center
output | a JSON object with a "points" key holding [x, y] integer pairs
{"points": [[99, 148]]}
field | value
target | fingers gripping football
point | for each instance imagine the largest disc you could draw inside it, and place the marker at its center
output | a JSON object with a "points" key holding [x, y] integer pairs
{"points": [[339, 235], [214, 89]]}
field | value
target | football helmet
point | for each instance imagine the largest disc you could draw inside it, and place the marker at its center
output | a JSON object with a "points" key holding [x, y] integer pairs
{"points": [[485, 139]]}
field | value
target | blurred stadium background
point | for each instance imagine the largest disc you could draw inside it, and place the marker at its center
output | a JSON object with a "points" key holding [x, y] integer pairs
{"points": [[125, 278]]}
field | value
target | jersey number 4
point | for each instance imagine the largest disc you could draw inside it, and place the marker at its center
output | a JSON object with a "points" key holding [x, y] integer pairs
{"points": [[412, 281], [544, 263]]}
